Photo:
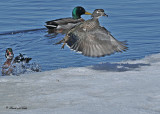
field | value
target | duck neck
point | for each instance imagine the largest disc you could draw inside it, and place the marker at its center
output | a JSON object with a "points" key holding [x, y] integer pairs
{"points": [[75, 15], [8, 62], [95, 19]]}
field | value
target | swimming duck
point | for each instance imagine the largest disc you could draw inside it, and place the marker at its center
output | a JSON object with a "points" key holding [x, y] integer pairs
{"points": [[67, 23], [91, 39], [8, 66], [21, 58]]}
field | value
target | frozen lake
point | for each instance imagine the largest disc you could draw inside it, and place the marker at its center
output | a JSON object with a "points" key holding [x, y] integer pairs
{"points": [[129, 87]]}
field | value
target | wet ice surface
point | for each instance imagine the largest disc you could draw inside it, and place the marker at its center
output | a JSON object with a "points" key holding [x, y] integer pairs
{"points": [[130, 87], [20, 65], [25, 68]]}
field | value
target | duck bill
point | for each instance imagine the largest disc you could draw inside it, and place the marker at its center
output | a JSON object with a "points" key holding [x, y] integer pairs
{"points": [[87, 13]]}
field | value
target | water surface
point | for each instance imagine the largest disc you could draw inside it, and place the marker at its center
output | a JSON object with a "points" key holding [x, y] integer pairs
{"points": [[22, 29]]}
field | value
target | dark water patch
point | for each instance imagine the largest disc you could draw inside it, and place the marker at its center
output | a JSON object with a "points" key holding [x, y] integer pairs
{"points": [[21, 31], [118, 67]]}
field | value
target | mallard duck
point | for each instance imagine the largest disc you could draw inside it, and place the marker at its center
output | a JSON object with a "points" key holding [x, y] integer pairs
{"points": [[67, 23], [91, 39], [6, 68], [11, 64]]}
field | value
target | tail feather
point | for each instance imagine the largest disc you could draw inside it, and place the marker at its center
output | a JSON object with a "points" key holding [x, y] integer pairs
{"points": [[51, 26]]}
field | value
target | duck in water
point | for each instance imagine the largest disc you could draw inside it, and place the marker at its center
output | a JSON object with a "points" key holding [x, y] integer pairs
{"points": [[64, 24], [91, 39], [8, 65]]}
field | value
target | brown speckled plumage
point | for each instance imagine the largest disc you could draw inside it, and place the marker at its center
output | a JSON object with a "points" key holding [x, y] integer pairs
{"points": [[92, 40]]}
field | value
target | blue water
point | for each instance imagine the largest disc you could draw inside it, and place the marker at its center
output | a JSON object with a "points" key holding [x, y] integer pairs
{"points": [[22, 29]]}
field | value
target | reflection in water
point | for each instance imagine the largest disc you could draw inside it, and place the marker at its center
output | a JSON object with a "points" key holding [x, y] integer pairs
{"points": [[56, 32], [55, 36], [51, 34]]}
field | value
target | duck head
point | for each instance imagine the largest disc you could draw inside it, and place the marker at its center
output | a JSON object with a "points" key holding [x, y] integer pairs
{"points": [[98, 13], [9, 53], [78, 11]]}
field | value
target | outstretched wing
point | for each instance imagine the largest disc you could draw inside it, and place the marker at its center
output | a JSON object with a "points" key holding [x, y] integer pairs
{"points": [[95, 43]]}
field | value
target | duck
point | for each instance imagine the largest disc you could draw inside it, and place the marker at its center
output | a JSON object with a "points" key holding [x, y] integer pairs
{"points": [[21, 58], [91, 39], [8, 66], [62, 24]]}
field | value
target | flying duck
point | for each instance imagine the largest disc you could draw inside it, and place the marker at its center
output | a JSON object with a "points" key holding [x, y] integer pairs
{"points": [[91, 39]]}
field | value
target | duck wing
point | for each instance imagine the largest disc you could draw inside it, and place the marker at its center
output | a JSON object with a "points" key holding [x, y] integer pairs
{"points": [[94, 43], [64, 23]]}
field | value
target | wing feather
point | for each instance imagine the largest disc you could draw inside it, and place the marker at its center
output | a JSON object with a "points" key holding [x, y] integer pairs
{"points": [[96, 43]]}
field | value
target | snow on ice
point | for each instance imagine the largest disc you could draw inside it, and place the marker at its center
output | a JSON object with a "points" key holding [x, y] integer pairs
{"points": [[127, 87]]}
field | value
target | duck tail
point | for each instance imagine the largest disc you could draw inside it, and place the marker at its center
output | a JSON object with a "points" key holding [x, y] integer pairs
{"points": [[51, 26]]}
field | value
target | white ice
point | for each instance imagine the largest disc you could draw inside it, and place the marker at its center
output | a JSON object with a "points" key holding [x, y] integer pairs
{"points": [[127, 87]]}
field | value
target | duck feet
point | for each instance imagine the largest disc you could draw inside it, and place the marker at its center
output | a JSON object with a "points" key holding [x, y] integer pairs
{"points": [[60, 41], [64, 40], [63, 46]]}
